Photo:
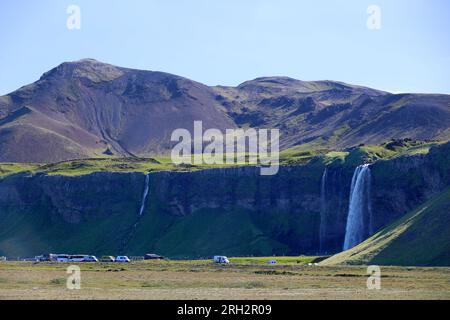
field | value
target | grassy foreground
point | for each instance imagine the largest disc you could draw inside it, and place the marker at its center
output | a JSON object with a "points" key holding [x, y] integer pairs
{"points": [[243, 279]]}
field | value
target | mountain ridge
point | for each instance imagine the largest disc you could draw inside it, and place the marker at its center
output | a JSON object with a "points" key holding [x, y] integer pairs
{"points": [[87, 108]]}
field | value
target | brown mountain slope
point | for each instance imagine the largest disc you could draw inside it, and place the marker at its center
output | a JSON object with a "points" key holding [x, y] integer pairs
{"points": [[335, 114], [87, 108]]}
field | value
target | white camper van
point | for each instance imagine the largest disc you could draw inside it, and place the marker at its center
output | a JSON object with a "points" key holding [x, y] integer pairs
{"points": [[221, 259]]}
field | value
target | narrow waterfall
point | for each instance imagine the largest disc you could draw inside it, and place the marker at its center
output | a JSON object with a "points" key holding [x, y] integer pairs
{"points": [[132, 229], [359, 219], [145, 194], [323, 208]]}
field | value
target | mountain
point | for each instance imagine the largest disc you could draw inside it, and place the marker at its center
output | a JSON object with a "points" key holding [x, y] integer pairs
{"points": [[419, 238], [334, 114], [87, 109]]}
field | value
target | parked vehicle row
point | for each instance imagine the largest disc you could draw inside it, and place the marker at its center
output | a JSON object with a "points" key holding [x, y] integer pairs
{"points": [[89, 258], [66, 258]]}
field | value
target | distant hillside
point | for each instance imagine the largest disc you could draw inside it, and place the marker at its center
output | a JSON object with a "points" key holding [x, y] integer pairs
{"points": [[88, 109], [420, 238], [334, 114]]}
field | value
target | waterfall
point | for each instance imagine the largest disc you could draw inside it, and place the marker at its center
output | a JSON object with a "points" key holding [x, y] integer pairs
{"points": [[359, 219], [145, 194], [132, 229], [323, 208]]}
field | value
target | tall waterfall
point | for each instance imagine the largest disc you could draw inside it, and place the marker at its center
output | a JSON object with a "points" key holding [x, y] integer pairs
{"points": [[359, 220], [323, 207], [145, 194]]}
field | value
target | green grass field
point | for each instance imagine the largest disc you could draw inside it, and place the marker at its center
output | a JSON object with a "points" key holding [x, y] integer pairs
{"points": [[244, 278], [280, 260]]}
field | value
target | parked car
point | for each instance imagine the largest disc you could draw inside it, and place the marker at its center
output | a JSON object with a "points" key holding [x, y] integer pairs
{"points": [[107, 259], [221, 259], [122, 259], [152, 256], [90, 259], [272, 262]]}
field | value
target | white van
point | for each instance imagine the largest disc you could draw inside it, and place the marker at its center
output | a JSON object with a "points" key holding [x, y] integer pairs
{"points": [[221, 259], [122, 259]]}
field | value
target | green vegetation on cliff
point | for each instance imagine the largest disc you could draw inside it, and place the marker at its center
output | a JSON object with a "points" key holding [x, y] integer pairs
{"points": [[12, 168], [298, 155], [88, 166]]}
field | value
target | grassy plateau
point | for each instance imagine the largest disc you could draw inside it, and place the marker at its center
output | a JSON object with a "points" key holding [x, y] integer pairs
{"points": [[297, 155]]}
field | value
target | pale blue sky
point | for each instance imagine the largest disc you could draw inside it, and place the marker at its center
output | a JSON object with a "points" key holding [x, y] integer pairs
{"points": [[230, 41]]}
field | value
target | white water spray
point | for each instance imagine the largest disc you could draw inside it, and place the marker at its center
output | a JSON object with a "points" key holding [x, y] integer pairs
{"points": [[145, 194], [359, 220]]}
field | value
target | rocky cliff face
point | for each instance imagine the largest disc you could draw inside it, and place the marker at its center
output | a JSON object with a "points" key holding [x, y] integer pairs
{"points": [[399, 185], [193, 214], [73, 199]]}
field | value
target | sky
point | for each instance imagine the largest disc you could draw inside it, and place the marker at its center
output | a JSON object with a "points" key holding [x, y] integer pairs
{"points": [[227, 42]]}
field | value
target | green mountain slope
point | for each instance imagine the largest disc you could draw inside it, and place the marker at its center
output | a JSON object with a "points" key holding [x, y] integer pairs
{"points": [[421, 238]]}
